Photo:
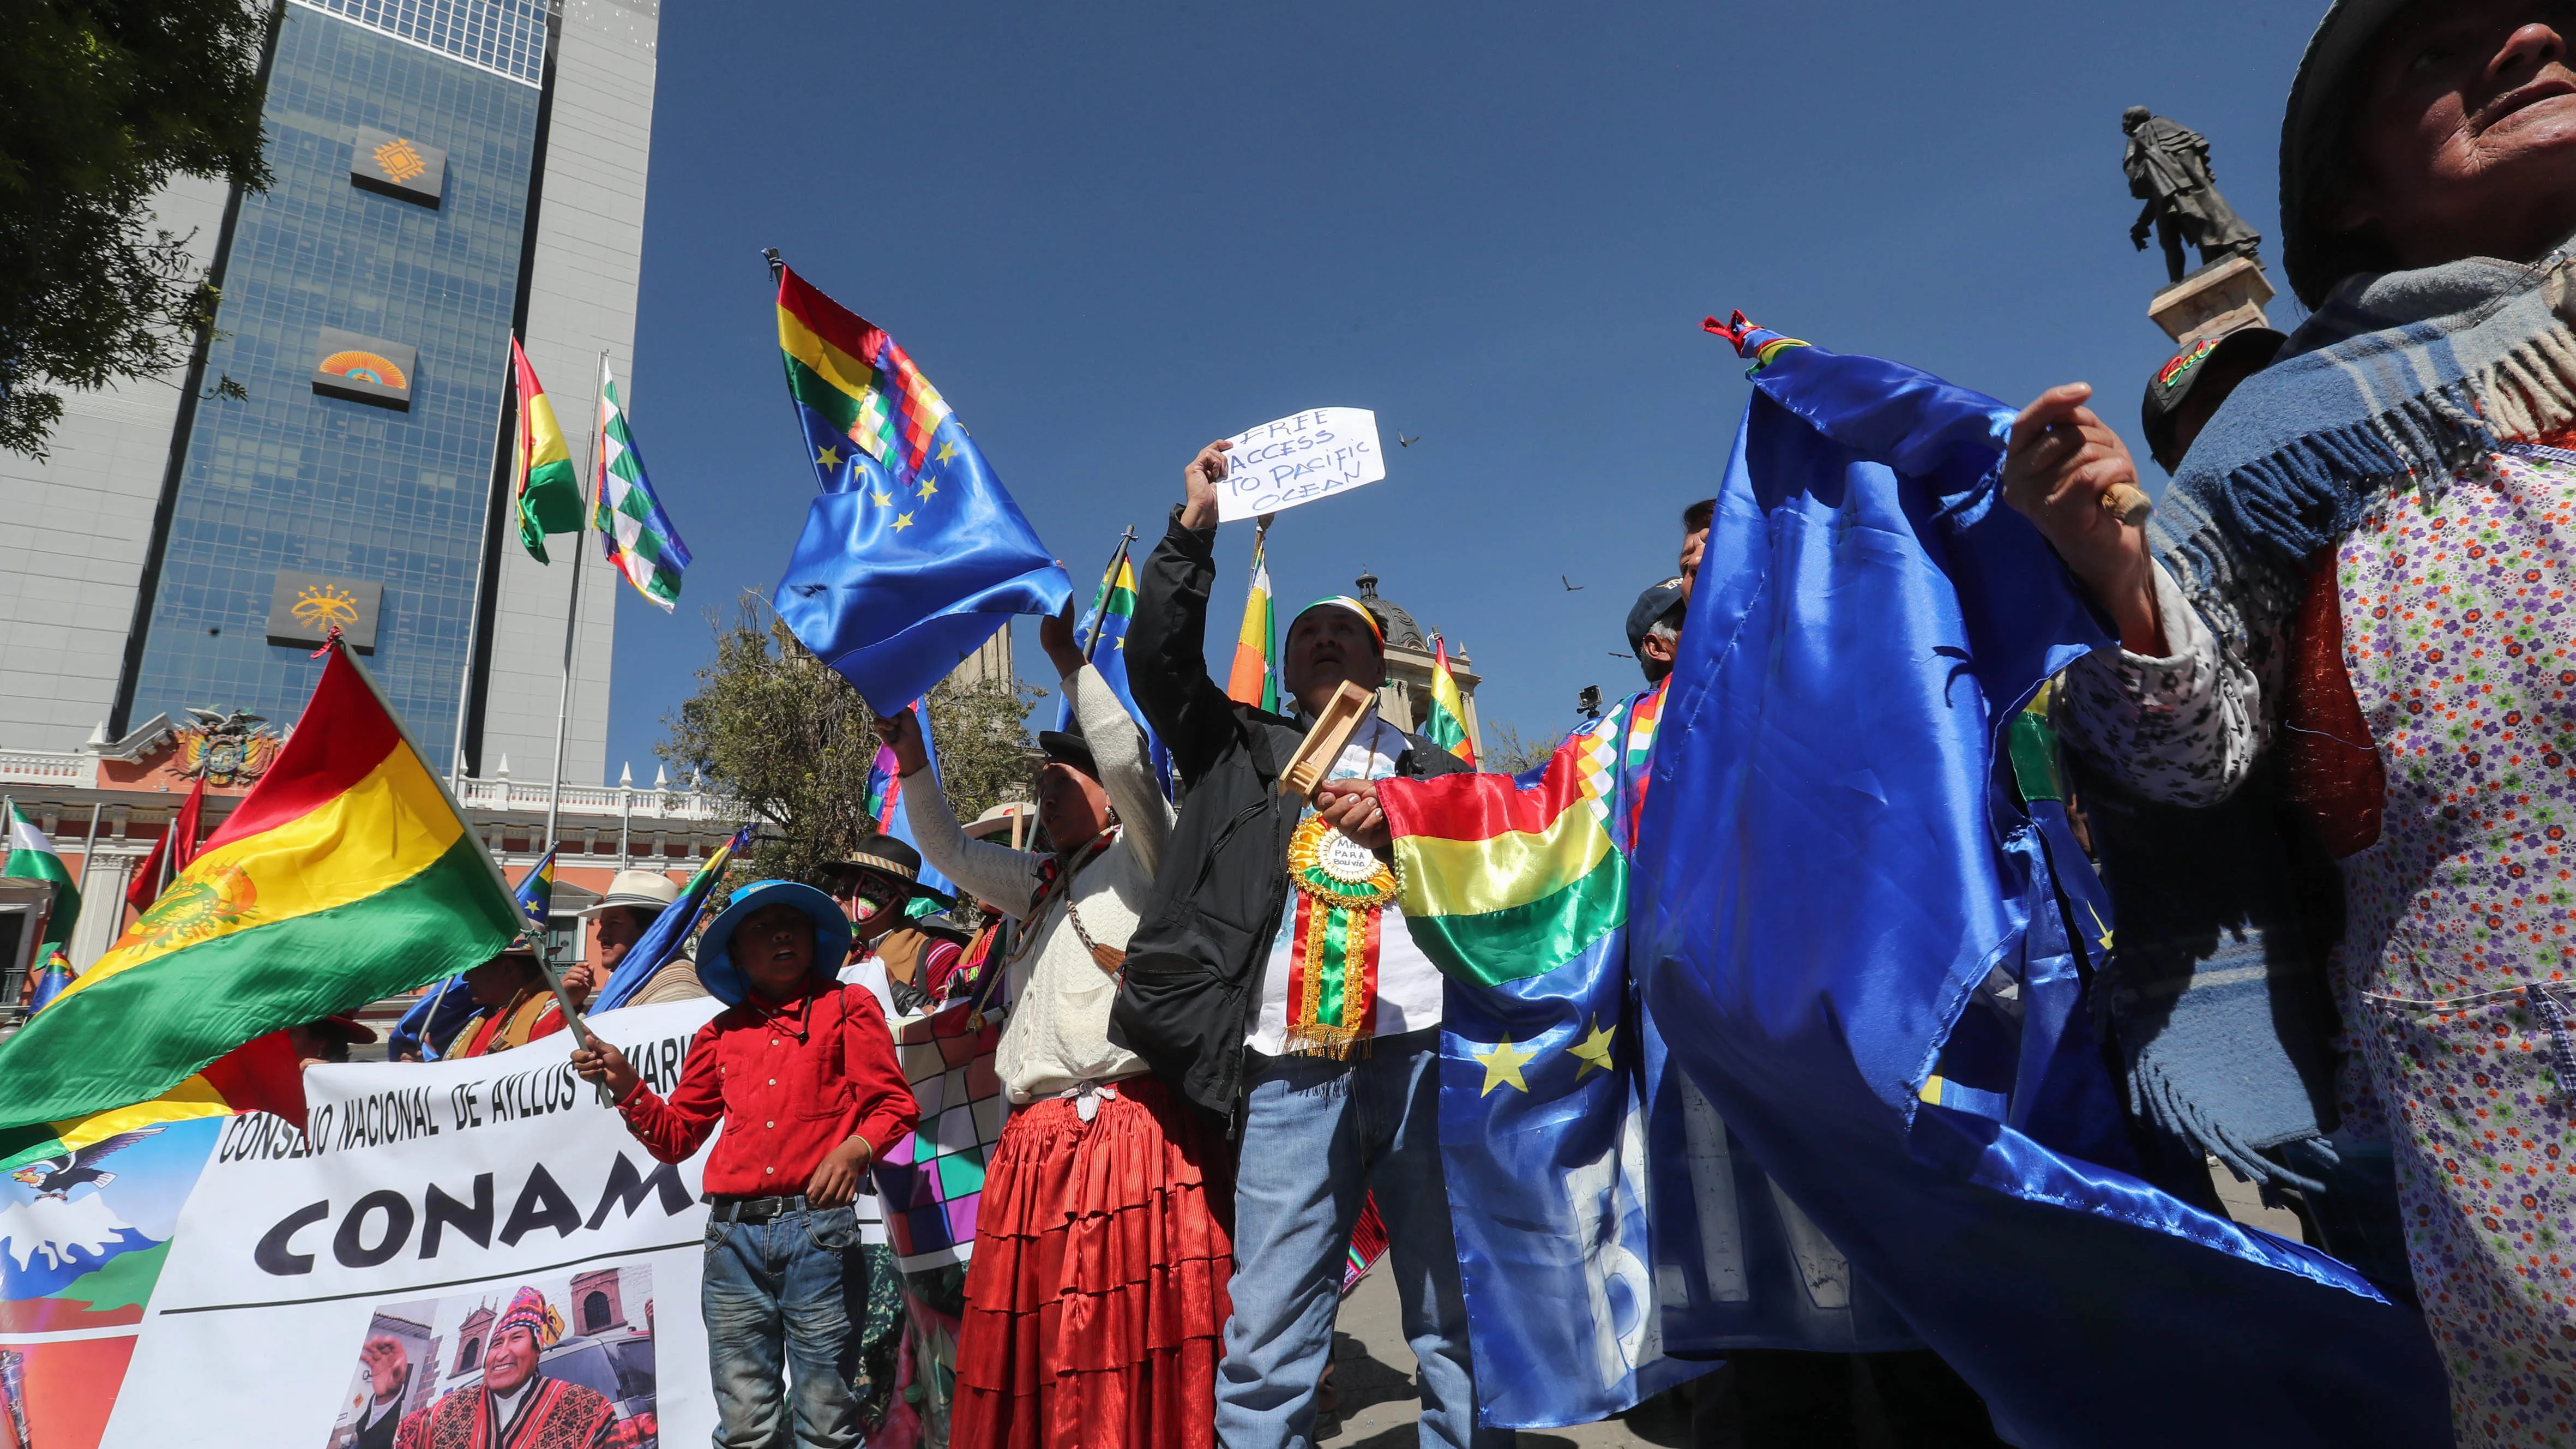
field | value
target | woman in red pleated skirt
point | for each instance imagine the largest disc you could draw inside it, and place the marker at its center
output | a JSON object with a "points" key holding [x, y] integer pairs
{"points": [[1096, 1302], [1096, 1298]]}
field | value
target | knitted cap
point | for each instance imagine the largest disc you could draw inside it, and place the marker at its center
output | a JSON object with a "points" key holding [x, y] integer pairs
{"points": [[529, 1310]]}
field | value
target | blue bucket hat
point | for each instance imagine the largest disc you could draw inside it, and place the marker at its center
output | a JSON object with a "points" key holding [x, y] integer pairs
{"points": [[724, 980]]}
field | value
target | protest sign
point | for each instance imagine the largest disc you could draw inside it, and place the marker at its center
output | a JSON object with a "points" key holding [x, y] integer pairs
{"points": [[234, 1282], [1298, 459]]}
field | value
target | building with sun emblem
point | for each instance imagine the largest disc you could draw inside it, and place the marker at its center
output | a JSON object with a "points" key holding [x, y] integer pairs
{"points": [[448, 173]]}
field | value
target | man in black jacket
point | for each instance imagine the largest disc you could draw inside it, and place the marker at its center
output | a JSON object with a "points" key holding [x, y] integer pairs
{"points": [[1273, 982]]}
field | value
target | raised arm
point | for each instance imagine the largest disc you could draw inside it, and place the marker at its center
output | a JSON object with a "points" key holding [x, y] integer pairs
{"points": [[2178, 712], [1167, 640], [1118, 747], [993, 873]]}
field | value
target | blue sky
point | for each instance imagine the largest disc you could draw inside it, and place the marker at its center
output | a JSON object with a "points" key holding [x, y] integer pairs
{"points": [[1109, 233]]}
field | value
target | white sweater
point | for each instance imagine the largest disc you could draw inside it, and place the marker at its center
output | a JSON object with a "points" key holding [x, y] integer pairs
{"points": [[1057, 1033]]}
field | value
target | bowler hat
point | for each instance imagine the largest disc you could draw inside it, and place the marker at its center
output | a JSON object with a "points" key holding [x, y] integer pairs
{"points": [[1068, 747], [885, 855]]}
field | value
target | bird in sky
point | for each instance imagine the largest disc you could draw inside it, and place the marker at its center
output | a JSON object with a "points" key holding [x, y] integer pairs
{"points": [[1402, 441], [1570, 585]]}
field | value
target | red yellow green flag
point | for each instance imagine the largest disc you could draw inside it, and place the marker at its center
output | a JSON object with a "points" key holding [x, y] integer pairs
{"points": [[1500, 881], [346, 874], [1253, 681], [547, 489], [1445, 722]]}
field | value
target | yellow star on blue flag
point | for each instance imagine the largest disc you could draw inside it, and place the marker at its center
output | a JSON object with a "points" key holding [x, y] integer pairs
{"points": [[1503, 1062], [1594, 1049]]}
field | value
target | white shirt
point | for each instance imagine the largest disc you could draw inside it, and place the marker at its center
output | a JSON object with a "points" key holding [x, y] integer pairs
{"points": [[1056, 1034], [505, 1407], [1408, 985]]}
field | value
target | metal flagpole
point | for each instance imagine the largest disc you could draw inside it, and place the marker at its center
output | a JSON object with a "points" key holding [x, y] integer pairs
{"points": [[474, 614], [572, 610]]}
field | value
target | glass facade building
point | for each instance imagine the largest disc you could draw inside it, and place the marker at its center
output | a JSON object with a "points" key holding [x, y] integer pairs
{"points": [[293, 480]]}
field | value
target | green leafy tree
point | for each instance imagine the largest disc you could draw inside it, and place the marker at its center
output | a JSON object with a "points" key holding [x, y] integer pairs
{"points": [[982, 730], [789, 740], [106, 101]]}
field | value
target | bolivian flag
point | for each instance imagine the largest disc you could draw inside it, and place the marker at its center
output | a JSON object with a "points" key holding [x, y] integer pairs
{"points": [[543, 481], [345, 875], [1499, 880]]}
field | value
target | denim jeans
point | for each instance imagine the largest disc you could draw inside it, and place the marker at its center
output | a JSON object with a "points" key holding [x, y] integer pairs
{"points": [[1317, 1136], [788, 1293]]}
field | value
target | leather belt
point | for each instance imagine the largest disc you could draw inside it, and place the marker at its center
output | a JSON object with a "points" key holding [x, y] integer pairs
{"points": [[727, 1209]]}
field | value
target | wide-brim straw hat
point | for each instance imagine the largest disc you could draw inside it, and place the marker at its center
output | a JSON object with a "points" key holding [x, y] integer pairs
{"points": [[642, 890]]}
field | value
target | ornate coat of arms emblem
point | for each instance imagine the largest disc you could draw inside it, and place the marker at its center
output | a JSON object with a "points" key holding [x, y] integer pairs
{"points": [[226, 748]]}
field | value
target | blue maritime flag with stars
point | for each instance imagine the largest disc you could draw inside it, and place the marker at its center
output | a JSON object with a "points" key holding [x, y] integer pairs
{"points": [[1844, 902], [1516, 888], [914, 554], [1103, 633]]}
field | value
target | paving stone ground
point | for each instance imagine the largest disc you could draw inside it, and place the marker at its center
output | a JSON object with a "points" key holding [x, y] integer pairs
{"points": [[1373, 1366]]}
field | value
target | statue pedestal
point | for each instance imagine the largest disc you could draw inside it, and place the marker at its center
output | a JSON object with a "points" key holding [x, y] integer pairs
{"points": [[2215, 299]]}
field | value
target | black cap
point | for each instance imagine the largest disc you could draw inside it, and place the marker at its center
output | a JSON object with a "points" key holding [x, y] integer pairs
{"points": [[1651, 605], [2183, 371], [1067, 747]]}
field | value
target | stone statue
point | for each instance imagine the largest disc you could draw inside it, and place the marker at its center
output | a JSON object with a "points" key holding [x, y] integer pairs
{"points": [[2168, 166]]}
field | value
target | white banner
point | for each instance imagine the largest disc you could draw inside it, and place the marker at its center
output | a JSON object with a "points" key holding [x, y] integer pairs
{"points": [[312, 1288]]}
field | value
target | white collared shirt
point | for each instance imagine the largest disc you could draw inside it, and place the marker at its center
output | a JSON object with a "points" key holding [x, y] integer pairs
{"points": [[1408, 985]]}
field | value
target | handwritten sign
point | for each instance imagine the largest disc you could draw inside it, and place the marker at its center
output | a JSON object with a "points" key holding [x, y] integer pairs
{"points": [[1299, 459]]}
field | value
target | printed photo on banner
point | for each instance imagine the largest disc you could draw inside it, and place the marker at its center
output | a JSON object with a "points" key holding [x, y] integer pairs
{"points": [[1298, 459], [555, 1359], [83, 1237]]}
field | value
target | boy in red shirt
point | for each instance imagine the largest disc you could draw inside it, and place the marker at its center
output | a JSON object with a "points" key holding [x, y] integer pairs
{"points": [[801, 1071]]}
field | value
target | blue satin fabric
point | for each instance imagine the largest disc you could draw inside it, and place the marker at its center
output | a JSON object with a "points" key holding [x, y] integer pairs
{"points": [[893, 593], [1831, 872], [1548, 1180]]}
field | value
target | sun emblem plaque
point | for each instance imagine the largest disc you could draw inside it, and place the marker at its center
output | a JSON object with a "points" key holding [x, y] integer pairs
{"points": [[402, 167], [364, 369], [304, 608]]}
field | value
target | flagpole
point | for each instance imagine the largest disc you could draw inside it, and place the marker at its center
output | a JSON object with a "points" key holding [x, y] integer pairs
{"points": [[474, 613], [572, 608], [1108, 586]]}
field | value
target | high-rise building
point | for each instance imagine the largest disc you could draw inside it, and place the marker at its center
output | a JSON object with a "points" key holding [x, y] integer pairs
{"points": [[448, 172]]}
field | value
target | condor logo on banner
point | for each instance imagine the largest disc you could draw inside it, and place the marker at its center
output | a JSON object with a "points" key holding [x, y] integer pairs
{"points": [[364, 369]]}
